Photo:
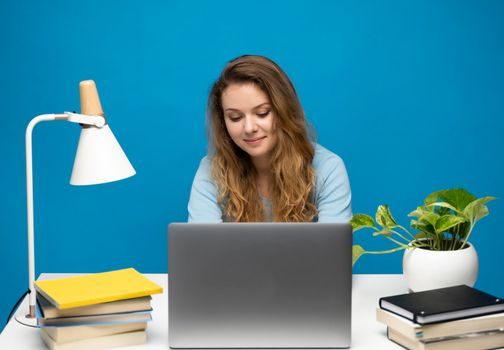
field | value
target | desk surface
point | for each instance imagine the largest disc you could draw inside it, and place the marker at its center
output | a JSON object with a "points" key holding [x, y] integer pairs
{"points": [[367, 333]]}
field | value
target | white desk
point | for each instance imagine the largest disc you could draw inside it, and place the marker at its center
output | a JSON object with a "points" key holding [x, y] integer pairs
{"points": [[367, 333]]}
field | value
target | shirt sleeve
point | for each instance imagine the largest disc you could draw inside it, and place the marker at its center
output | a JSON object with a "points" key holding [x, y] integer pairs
{"points": [[334, 197], [203, 206]]}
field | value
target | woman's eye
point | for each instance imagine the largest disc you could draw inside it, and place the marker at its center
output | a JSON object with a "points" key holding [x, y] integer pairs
{"points": [[234, 118], [263, 114]]}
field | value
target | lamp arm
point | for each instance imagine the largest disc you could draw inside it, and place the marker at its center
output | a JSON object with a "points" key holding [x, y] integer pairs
{"points": [[97, 121], [94, 120], [29, 205]]}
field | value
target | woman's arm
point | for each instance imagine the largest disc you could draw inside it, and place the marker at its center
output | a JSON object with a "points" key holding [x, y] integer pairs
{"points": [[203, 206]]}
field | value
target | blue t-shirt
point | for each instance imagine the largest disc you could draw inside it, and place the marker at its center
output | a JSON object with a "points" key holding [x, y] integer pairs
{"points": [[333, 197]]}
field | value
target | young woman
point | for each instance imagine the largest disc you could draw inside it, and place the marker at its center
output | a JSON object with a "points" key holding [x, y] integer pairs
{"points": [[262, 165]]}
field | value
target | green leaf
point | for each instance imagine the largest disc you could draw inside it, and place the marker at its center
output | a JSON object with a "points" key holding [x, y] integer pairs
{"points": [[481, 213], [419, 211], [447, 205], [433, 197], [477, 208], [431, 218], [447, 221], [387, 232], [357, 251], [422, 226], [456, 197], [384, 217], [360, 221]]}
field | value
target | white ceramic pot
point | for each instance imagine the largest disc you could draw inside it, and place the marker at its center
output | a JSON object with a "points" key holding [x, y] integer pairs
{"points": [[428, 269]]}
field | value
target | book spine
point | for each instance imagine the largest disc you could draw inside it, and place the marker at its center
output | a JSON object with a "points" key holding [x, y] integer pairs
{"points": [[415, 319]]}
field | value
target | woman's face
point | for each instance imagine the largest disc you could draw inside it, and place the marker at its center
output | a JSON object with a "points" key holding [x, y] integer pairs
{"points": [[250, 120]]}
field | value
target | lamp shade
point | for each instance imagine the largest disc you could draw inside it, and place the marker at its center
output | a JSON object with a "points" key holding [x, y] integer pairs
{"points": [[99, 158]]}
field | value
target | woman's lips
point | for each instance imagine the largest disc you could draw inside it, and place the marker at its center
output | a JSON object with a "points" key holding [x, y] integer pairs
{"points": [[254, 141]]}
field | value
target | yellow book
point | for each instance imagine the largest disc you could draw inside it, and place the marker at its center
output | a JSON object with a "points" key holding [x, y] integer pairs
{"points": [[96, 288]]}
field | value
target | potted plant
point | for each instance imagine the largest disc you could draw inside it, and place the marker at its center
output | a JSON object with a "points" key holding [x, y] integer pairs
{"points": [[438, 254]]}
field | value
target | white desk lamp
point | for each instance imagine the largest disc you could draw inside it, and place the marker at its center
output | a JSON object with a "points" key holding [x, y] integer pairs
{"points": [[99, 159]]}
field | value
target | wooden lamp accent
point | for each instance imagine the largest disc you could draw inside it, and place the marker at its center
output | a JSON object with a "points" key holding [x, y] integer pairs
{"points": [[89, 99]]}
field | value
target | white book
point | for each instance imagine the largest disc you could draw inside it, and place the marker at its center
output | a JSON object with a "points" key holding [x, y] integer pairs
{"points": [[416, 331], [98, 343], [477, 341], [69, 334], [119, 306]]}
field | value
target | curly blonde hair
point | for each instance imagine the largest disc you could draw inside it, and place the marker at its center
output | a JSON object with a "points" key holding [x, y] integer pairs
{"points": [[292, 172]]}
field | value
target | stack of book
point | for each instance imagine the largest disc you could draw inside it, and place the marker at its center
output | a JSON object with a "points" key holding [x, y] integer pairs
{"points": [[96, 311], [457, 317]]}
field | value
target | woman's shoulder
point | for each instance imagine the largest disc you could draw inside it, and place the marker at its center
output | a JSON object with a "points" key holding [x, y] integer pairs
{"points": [[325, 159], [205, 162], [204, 172]]}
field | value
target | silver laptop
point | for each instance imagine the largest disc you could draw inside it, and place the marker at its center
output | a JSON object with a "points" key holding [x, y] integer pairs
{"points": [[259, 285]]}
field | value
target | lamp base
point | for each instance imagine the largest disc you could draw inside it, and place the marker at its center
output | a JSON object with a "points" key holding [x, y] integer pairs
{"points": [[27, 320]]}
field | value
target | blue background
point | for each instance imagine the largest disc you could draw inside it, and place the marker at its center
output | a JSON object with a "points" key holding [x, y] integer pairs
{"points": [[409, 94]]}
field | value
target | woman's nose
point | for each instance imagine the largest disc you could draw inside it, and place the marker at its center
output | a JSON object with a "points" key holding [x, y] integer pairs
{"points": [[250, 124]]}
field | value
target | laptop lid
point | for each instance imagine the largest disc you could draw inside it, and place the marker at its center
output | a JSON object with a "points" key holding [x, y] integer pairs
{"points": [[259, 285]]}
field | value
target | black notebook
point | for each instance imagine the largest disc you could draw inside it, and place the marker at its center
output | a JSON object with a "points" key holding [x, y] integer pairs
{"points": [[441, 305]]}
